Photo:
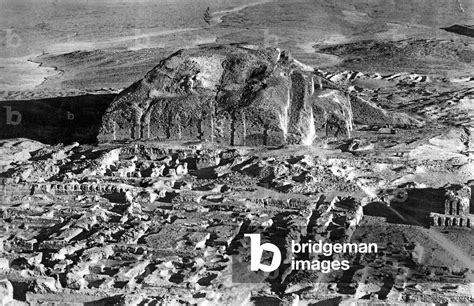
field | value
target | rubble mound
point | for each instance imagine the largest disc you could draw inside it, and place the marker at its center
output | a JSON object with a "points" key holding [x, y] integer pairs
{"points": [[16, 150], [233, 95]]}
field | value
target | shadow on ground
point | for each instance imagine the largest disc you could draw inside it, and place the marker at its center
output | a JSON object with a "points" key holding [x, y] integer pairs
{"points": [[466, 30], [54, 120], [414, 209]]}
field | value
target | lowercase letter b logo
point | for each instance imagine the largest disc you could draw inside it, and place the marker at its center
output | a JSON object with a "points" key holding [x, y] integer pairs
{"points": [[256, 252], [13, 116]]}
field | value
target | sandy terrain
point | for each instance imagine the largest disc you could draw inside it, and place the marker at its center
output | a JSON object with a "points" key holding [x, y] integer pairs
{"points": [[298, 26]]}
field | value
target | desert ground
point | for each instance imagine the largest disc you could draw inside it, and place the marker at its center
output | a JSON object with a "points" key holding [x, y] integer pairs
{"points": [[142, 140]]}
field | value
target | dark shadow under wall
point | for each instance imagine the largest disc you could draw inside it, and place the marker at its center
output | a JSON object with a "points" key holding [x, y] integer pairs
{"points": [[54, 120], [467, 30], [415, 209]]}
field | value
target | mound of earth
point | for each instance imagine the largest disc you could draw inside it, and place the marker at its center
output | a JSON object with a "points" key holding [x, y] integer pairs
{"points": [[236, 95]]}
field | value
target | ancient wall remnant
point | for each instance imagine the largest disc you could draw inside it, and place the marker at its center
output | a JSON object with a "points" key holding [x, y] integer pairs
{"points": [[77, 188], [456, 209]]}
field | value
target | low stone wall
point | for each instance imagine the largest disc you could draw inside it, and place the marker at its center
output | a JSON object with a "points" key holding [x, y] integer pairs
{"points": [[451, 220], [75, 188]]}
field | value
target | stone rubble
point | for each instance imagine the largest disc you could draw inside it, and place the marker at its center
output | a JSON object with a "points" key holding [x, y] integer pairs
{"points": [[176, 235]]}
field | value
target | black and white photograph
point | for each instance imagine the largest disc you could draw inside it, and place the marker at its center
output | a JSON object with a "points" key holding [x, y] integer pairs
{"points": [[236, 152]]}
